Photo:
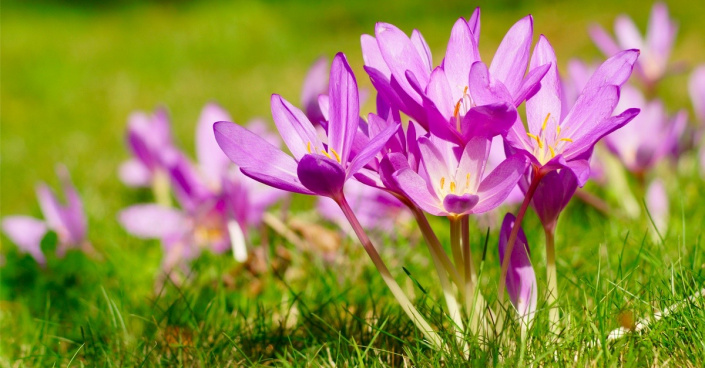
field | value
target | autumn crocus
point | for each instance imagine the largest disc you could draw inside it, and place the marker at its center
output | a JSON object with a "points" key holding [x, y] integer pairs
{"points": [[461, 98], [68, 221], [317, 167], [652, 135], [149, 140], [655, 47], [521, 279], [563, 138]]}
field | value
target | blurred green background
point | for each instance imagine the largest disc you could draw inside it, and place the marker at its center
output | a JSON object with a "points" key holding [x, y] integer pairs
{"points": [[73, 71]]}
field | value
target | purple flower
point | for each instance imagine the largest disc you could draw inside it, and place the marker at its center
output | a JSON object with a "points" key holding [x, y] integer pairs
{"points": [[453, 184], [696, 87], [521, 279], [462, 98], [67, 221], [317, 167], [655, 48], [560, 139], [218, 204], [652, 135], [148, 138], [552, 195]]}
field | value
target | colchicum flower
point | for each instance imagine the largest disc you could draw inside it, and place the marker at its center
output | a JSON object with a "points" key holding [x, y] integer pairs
{"points": [[655, 47], [67, 221], [317, 167], [148, 138], [559, 137], [641, 144], [521, 279]]}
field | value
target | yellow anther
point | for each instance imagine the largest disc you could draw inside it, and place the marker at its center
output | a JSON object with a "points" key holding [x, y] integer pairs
{"points": [[543, 127], [535, 137], [457, 109], [566, 140], [452, 187], [465, 91], [337, 157], [553, 153], [326, 153], [558, 130], [467, 181], [308, 147], [443, 182]]}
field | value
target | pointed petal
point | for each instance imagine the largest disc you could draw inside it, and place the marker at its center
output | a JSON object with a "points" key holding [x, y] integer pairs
{"points": [[416, 189], [589, 111], [134, 174], [488, 121], [548, 99], [461, 53], [400, 55], [553, 193], [521, 279], [474, 24], [422, 48], [512, 56], [627, 33], [73, 215], [614, 71], [257, 158], [603, 40], [531, 84], [152, 221], [587, 139], [211, 159], [372, 56], [51, 209], [495, 188], [435, 163], [371, 149], [344, 113], [660, 32], [27, 232], [294, 127], [472, 162]]}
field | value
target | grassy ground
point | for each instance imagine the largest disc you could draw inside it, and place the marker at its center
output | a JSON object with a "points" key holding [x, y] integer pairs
{"points": [[72, 74]]}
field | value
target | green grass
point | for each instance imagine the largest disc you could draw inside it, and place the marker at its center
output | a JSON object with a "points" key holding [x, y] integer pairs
{"points": [[72, 74]]}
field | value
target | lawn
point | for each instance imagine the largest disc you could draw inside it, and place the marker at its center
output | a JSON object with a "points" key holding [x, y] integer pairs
{"points": [[73, 72]]}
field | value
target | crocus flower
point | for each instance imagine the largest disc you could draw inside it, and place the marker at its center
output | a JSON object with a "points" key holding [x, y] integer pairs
{"points": [[461, 98], [552, 195], [652, 135], [655, 47], [521, 280], [317, 167], [148, 138], [696, 87], [556, 139], [218, 205], [452, 185], [67, 221]]}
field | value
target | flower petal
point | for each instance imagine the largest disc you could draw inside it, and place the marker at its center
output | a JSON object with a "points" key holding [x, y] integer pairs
{"points": [[257, 158], [294, 127], [552, 194], [27, 232], [344, 113], [371, 149], [461, 53], [211, 159], [495, 188], [152, 221], [548, 99], [134, 174], [321, 175], [460, 204], [416, 189], [474, 24], [512, 56], [521, 279], [315, 84]]}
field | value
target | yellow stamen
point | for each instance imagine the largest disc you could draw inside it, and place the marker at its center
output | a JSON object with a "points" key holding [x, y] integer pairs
{"points": [[467, 181], [308, 147], [465, 91], [327, 155], [558, 130], [457, 109], [536, 138], [543, 127], [566, 140], [443, 182], [553, 153], [452, 187], [337, 157]]}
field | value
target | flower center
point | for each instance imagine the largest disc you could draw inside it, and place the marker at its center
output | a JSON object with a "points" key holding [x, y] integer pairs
{"points": [[464, 104], [453, 187], [324, 152], [544, 151]]}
